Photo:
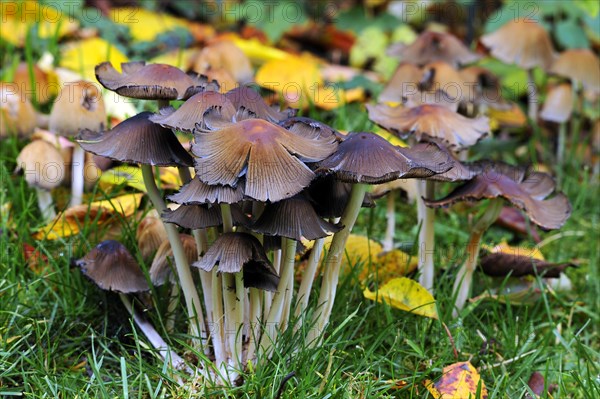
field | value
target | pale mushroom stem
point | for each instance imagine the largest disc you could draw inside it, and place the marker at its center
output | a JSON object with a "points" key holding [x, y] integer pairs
{"points": [[464, 278], [192, 300], [217, 330], [172, 308], [332, 265], [426, 235], [77, 180], [287, 301], [234, 297], [308, 279], [560, 151], [272, 321], [45, 203], [176, 362], [532, 96], [201, 238], [388, 241], [255, 320]]}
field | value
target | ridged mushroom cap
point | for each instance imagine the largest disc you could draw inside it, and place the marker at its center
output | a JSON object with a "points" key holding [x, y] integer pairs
{"points": [[250, 104], [234, 252], [152, 81], [431, 121], [137, 140], [528, 191], [523, 42], [79, 106], [190, 115], [41, 164], [369, 158], [294, 218], [197, 192], [202, 216], [111, 266], [272, 159], [579, 65], [433, 46]]}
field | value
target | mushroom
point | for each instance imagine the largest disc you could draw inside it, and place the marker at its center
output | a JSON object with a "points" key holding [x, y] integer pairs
{"points": [[558, 108], [112, 268], [433, 46], [525, 190], [44, 169], [17, 115], [403, 82], [363, 158], [150, 234], [224, 55], [526, 43], [160, 148], [484, 90], [37, 85], [78, 106]]}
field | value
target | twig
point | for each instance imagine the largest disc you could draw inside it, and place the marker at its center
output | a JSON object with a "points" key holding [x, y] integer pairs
{"points": [[283, 382], [451, 340]]}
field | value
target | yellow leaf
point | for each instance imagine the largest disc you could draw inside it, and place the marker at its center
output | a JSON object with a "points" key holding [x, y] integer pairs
{"points": [[181, 58], [504, 248], [170, 177], [145, 25], [17, 17], [69, 222], [330, 96], [405, 294], [459, 381], [83, 56], [257, 52], [513, 117], [124, 174], [292, 76], [391, 138]]}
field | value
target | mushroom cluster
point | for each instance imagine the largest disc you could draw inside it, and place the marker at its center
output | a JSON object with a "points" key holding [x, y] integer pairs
{"points": [[264, 181]]}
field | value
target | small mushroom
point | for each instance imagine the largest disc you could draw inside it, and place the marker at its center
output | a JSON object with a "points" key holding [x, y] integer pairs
{"points": [[17, 115], [79, 106], [150, 234], [202, 216], [196, 192], [44, 169], [558, 108], [581, 66], [227, 56]]}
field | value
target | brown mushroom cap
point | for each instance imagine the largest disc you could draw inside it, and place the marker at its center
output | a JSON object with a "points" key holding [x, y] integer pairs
{"points": [[527, 191], [431, 121], [42, 165], [558, 106], [271, 158], [161, 269], [235, 252], [369, 158], [501, 264], [17, 115], [311, 129], [250, 104], [523, 42], [433, 46], [137, 140], [190, 114], [79, 106], [197, 192], [152, 81], [227, 56], [483, 87], [150, 234], [202, 216], [403, 82], [442, 76], [113, 268], [294, 218], [579, 65]]}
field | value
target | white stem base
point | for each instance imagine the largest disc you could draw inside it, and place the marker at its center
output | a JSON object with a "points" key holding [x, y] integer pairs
{"points": [[77, 180], [46, 204], [388, 241]]}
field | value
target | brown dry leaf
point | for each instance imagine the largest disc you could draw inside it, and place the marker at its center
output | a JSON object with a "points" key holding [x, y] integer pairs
{"points": [[459, 381], [69, 222]]}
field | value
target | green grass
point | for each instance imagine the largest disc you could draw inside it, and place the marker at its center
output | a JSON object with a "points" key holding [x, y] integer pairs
{"points": [[61, 337]]}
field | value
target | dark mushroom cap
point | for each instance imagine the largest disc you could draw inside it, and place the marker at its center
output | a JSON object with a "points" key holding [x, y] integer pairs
{"points": [[369, 158], [197, 192], [250, 104], [202, 216], [311, 129], [113, 268], [329, 196], [523, 42], [579, 65], [501, 264], [558, 106], [431, 121], [152, 81], [294, 218], [235, 252], [137, 140], [271, 158], [434, 46], [190, 114], [525, 190], [161, 269]]}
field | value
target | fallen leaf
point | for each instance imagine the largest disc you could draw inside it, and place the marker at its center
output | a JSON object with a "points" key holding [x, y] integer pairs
{"points": [[504, 248], [512, 117], [146, 25], [258, 52], [170, 178], [124, 174], [69, 222], [459, 381], [83, 56], [34, 258], [405, 294], [536, 383]]}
